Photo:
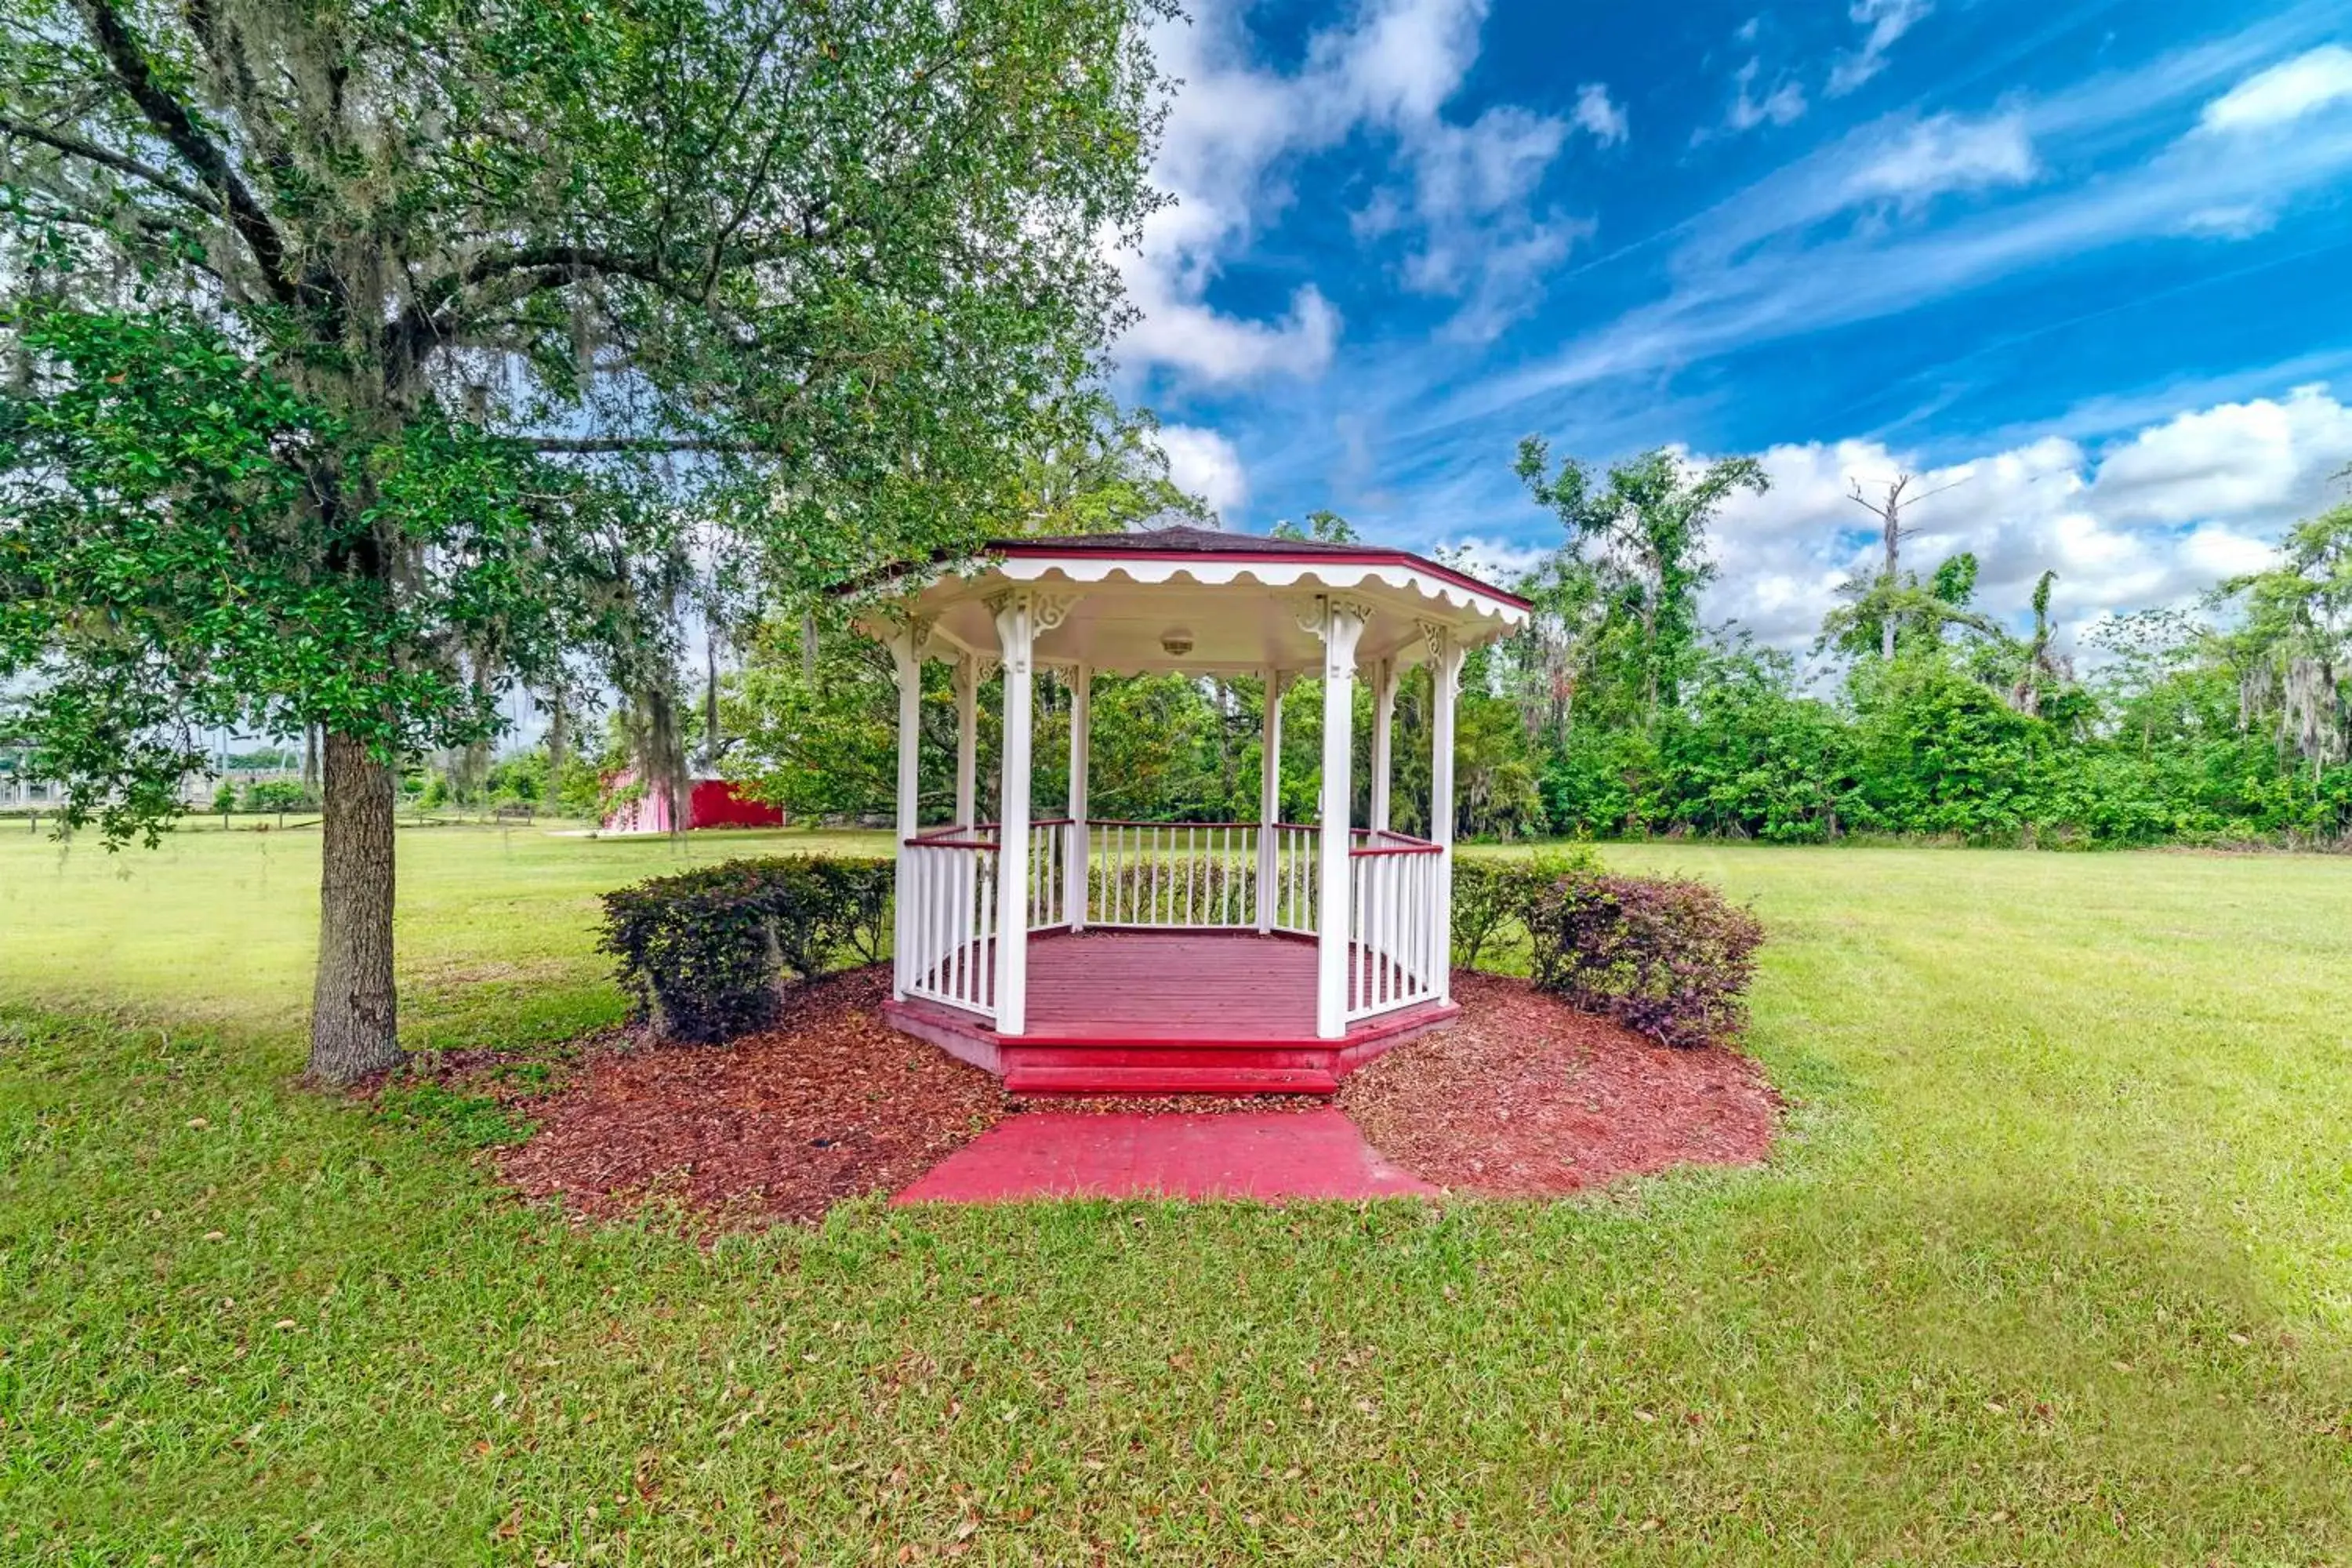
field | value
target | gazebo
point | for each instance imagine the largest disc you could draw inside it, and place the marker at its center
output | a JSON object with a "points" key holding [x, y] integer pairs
{"points": [[1078, 955]]}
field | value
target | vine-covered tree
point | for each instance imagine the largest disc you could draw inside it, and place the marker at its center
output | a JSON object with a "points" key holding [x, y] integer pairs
{"points": [[345, 339], [1648, 524], [2294, 646]]}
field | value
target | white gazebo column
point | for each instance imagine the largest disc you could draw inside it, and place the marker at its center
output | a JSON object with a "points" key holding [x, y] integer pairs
{"points": [[1269, 801], [906, 638], [1082, 704], [1445, 653], [1384, 689], [1340, 624], [967, 694], [1021, 614]]}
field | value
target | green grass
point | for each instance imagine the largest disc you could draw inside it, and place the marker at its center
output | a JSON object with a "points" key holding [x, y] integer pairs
{"points": [[2054, 1264]]}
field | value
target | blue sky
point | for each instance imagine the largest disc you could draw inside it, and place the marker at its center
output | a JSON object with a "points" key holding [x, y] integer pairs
{"points": [[2087, 269]]}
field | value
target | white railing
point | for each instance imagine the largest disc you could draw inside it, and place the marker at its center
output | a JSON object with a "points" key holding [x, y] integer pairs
{"points": [[946, 926], [1296, 877], [1397, 955], [1171, 876], [1051, 845], [1197, 876]]}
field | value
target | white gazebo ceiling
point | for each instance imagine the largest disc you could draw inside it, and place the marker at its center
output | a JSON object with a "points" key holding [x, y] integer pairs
{"points": [[1204, 601]]}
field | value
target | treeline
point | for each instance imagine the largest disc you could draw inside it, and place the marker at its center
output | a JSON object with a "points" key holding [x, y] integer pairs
{"points": [[1616, 713]]}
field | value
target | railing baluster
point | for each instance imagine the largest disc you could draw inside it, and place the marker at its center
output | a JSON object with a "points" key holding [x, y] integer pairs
{"points": [[953, 900], [1191, 873]]}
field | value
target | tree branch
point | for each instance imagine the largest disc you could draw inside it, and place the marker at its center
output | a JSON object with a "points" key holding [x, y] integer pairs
{"points": [[178, 127], [74, 146]]}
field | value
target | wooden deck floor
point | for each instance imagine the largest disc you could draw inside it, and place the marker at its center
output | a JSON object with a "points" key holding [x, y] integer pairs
{"points": [[1171, 986]]}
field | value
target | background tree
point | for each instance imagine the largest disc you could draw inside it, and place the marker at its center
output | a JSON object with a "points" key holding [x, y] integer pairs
{"points": [[1323, 526], [2295, 644], [1111, 478], [1879, 613], [1649, 521], [343, 338]]}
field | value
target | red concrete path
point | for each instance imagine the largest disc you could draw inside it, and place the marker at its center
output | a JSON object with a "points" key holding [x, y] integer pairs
{"points": [[1193, 1155]]}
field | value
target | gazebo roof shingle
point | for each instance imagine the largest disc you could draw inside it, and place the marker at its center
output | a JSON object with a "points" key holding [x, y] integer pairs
{"points": [[1189, 539]]}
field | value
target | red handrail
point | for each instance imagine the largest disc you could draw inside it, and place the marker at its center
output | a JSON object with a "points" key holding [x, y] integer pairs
{"points": [[945, 839], [1411, 846]]}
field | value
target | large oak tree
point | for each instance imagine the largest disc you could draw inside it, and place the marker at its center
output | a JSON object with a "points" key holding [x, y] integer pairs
{"points": [[363, 357]]}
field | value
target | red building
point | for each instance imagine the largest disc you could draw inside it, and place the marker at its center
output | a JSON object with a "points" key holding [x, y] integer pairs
{"points": [[710, 802]]}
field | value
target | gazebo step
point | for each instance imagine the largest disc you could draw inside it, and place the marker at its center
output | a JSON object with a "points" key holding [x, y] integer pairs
{"points": [[1169, 1079]]}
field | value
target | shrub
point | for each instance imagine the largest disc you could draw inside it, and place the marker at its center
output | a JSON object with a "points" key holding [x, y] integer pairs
{"points": [[703, 953], [278, 794], [1671, 960], [1492, 897]]}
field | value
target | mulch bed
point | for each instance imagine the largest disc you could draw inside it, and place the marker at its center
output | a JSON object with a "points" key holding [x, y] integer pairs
{"points": [[829, 1104], [1524, 1096]]}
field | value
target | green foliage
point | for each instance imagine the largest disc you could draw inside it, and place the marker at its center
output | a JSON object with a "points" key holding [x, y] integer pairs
{"points": [[702, 954], [1669, 958], [166, 563], [2231, 729], [277, 796], [350, 344], [1322, 526], [1648, 524], [1493, 897]]}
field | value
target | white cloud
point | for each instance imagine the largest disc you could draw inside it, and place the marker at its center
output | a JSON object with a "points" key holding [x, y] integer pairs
{"points": [[1499, 561], [1595, 113], [2154, 520], [2284, 93], [1478, 170], [1887, 20], [1183, 331], [1947, 153], [1236, 128], [1207, 465], [2230, 220], [1784, 105], [2231, 460]]}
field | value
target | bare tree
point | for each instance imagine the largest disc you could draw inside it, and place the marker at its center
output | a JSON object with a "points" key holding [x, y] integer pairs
{"points": [[1890, 532], [1886, 592]]}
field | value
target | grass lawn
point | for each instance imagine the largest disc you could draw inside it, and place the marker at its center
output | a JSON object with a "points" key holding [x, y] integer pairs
{"points": [[2053, 1263]]}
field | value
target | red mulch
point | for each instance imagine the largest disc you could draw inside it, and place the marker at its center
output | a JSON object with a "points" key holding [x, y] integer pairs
{"points": [[1524, 1096], [829, 1104]]}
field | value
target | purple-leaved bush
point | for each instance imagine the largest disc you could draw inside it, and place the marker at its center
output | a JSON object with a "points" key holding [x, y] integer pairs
{"points": [[1668, 959]]}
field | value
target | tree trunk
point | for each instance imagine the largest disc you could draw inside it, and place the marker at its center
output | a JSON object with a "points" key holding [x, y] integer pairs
{"points": [[711, 700], [556, 742], [354, 1029], [1894, 546]]}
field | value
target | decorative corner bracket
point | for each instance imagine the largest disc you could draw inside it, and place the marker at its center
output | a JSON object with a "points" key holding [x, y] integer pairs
{"points": [[1446, 652]]}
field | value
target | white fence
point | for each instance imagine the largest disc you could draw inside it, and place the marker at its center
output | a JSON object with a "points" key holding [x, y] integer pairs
{"points": [[1172, 876], [1398, 950], [946, 948], [1051, 846]]}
